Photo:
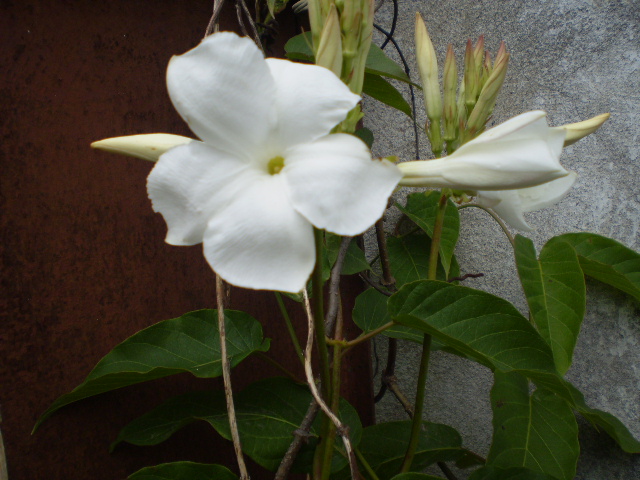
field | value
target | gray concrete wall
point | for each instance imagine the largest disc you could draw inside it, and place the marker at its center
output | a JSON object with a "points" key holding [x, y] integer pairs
{"points": [[574, 59]]}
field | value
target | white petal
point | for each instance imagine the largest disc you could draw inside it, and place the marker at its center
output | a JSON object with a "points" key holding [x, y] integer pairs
{"points": [[147, 147], [310, 101], [520, 153], [259, 241], [507, 205], [336, 185], [224, 90], [511, 204], [189, 183]]}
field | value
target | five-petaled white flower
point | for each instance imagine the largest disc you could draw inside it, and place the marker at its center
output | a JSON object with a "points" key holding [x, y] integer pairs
{"points": [[266, 171]]}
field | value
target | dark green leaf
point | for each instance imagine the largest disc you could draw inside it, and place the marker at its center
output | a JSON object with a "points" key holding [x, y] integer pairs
{"points": [[555, 291], [518, 473], [606, 260], [422, 209], [267, 413], [482, 326], [409, 258], [416, 476], [365, 135], [379, 64], [354, 260], [384, 446], [538, 431], [491, 331], [299, 48], [377, 87], [189, 343], [184, 471], [370, 313]]}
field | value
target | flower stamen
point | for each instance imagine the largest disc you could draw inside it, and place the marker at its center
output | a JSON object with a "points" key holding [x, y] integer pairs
{"points": [[275, 165]]}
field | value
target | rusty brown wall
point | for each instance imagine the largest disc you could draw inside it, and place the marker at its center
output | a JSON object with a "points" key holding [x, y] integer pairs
{"points": [[84, 264]]}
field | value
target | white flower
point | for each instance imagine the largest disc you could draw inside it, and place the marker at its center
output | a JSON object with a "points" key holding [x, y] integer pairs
{"points": [[511, 204], [522, 152], [267, 171]]}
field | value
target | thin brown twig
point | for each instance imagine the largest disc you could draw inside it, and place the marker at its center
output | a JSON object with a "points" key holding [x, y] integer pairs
{"points": [[343, 430], [255, 35], [373, 284], [213, 21], [300, 436], [226, 376]]}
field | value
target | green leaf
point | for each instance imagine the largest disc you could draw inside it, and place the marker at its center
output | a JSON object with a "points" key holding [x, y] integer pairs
{"points": [[606, 260], [384, 446], [365, 135], [422, 209], [416, 476], [189, 343], [354, 260], [518, 473], [482, 326], [379, 64], [370, 312], [409, 258], [377, 87], [299, 48], [555, 291], [184, 471], [267, 413], [536, 431], [491, 331]]}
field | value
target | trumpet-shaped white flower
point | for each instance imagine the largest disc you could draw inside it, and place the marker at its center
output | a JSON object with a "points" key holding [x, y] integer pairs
{"points": [[266, 171], [522, 152], [511, 204]]}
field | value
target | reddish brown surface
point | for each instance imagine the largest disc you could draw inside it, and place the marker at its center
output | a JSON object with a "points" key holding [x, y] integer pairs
{"points": [[84, 264]]}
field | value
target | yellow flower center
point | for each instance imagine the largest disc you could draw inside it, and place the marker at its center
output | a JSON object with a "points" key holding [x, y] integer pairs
{"points": [[275, 165]]}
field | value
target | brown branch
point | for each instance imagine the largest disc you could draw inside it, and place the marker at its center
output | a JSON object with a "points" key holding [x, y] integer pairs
{"points": [[226, 376], [465, 276], [300, 436], [213, 21]]}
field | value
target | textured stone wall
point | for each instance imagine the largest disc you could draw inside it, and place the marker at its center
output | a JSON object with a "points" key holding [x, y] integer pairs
{"points": [[573, 59]]}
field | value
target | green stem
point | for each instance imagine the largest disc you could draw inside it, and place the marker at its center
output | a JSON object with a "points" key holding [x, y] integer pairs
{"points": [[325, 374], [292, 332], [418, 409], [366, 465]]}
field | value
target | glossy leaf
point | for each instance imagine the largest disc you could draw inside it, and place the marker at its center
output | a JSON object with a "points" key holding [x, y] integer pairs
{"points": [[384, 446], [537, 431], [416, 476], [519, 473], [422, 209], [184, 471], [606, 260], [409, 258], [555, 290], [370, 312], [189, 343], [491, 331], [267, 412], [299, 48], [378, 88]]}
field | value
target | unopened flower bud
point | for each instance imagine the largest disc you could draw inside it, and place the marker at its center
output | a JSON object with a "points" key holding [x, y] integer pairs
{"points": [[450, 84], [576, 131], [147, 147], [329, 54], [487, 99]]}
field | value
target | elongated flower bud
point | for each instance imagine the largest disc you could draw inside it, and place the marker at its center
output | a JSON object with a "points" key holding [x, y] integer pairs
{"points": [[428, 67], [450, 84], [576, 131], [471, 88], [147, 147], [329, 54], [487, 99]]}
